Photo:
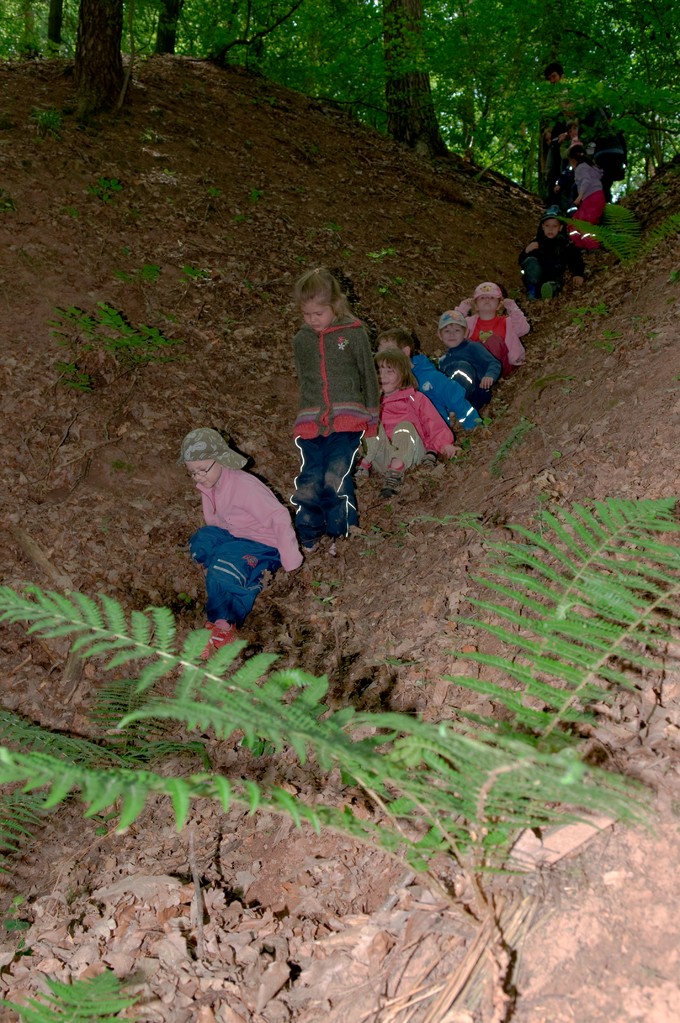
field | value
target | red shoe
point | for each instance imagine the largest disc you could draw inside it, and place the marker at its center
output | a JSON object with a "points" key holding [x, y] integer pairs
{"points": [[219, 637]]}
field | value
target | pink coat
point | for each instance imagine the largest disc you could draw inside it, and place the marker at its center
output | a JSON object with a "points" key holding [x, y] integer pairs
{"points": [[517, 325], [242, 504], [410, 406]]}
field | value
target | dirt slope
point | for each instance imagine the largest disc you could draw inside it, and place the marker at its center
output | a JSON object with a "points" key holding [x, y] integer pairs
{"points": [[194, 213]]}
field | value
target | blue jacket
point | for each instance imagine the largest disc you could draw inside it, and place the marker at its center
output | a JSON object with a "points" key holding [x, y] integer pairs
{"points": [[474, 353], [446, 395]]}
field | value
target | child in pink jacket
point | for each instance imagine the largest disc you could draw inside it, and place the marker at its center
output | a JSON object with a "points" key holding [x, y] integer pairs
{"points": [[411, 430], [496, 322], [247, 532]]}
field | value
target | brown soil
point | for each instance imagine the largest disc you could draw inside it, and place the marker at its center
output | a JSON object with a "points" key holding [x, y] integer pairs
{"points": [[230, 175]]}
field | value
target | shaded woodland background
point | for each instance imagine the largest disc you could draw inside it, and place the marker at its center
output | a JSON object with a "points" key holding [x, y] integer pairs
{"points": [[425, 74]]}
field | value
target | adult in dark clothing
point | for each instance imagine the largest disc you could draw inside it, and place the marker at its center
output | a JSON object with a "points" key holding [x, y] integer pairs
{"points": [[545, 260]]}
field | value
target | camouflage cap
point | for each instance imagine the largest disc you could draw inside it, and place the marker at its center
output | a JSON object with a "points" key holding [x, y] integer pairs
{"points": [[204, 444]]}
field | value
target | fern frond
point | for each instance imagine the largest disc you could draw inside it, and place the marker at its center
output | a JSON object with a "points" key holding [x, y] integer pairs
{"points": [[19, 817], [590, 598], [668, 228], [133, 744], [567, 602], [96, 1000], [99, 629], [17, 731], [619, 231]]}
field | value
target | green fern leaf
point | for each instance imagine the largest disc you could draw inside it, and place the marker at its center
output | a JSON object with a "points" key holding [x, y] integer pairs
{"points": [[584, 602], [181, 800], [99, 998]]}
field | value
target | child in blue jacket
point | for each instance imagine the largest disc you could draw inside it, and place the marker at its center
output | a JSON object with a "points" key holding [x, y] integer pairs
{"points": [[467, 362]]}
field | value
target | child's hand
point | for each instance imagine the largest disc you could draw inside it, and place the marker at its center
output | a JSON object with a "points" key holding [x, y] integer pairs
{"points": [[486, 383], [530, 247], [450, 451]]}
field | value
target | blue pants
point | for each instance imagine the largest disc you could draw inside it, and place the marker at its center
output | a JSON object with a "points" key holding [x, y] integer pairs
{"points": [[324, 496], [465, 374], [234, 571]]}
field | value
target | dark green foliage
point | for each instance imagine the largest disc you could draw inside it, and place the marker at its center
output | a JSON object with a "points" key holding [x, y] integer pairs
{"points": [[586, 601], [109, 330]]}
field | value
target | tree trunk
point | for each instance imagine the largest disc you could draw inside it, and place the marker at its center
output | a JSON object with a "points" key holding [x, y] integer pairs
{"points": [[54, 22], [168, 16], [410, 110], [98, 64]]}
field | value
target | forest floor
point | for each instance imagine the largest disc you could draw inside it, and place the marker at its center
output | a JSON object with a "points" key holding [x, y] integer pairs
{"points": [[230, 187]]}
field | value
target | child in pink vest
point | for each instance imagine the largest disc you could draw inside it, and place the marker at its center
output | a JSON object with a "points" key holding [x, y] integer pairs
{"points": [[496, 322]]}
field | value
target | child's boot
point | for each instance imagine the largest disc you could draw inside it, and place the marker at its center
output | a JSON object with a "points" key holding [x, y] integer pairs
{"points": [[220, 635], [394, 479]]}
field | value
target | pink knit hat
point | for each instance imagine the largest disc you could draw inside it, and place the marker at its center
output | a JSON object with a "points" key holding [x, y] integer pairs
{"points": [[488, 290]]}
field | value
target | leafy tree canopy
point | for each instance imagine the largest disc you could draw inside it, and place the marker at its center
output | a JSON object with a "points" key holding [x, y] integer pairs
{"points": [[484, 58]]}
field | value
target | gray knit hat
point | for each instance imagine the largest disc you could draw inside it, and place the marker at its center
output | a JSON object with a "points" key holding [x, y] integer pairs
{"points": [[203, 445]]}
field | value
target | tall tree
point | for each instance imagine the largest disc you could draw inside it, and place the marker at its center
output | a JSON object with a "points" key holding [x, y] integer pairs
{"points": [[98, 63], [410, 110], [54, 22], [168, 16]]}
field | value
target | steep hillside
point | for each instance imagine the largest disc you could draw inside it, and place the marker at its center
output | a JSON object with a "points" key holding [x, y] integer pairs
{"points": [[194, 213]]}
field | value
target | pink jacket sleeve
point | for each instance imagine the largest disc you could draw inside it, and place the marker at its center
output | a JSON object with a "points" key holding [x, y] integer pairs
{"points": [[434, 432], [517, 326]]}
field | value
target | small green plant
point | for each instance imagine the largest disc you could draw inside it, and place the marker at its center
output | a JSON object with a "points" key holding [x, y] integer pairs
{"points": [[674, 277], [255, 194], [332, 226], [7, 204], [118, 465], [106, 189], [515, 437], [14, 921], [151, 137], [108, 329], [71, 211], [149, 273], [381, 253], [214, 193], [195, 273], [95, 1000], [47, 122], [73, 378], [583, 313]]}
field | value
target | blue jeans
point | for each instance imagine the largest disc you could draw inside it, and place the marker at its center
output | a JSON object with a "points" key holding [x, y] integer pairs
{"points": [[324, 497], [234, 571]]}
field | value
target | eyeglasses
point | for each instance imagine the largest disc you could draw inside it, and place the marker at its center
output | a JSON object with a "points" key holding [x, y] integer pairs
{"points": [[194, 473]]}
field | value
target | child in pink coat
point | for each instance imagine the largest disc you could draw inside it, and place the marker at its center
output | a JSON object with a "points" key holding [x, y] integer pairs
{"points": [[590, 200], [411, 430], [496, 322], [247, 532]]}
